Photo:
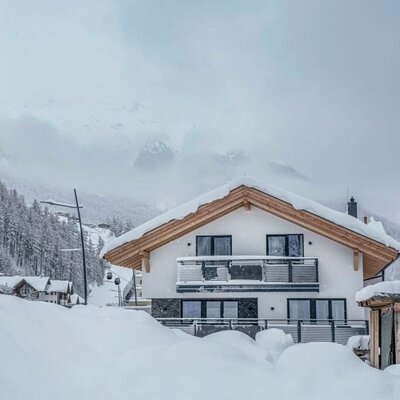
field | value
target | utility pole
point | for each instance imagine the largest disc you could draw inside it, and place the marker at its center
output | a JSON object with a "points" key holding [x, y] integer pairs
{"points": [[83, 248], [78, 207]]}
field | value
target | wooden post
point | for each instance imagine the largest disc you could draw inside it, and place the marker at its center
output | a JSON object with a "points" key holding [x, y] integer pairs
{"points": [[396, 310], [145, 260], [246, 204], [356, 260], [374, 342]]}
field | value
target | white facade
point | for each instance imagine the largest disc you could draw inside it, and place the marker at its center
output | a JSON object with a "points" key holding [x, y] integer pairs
{"points": [[248, 229]]}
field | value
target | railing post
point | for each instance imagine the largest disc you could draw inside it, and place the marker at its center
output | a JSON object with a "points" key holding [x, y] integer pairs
{"points": [[195, 327], [366, 327], [316, 271], [266, 324], [299, 331], [333, 330], [290, 266], [230, 325], [203, 270]]}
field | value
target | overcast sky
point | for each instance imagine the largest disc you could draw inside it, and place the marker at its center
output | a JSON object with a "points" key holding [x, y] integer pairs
{"points": [[310, 84]]}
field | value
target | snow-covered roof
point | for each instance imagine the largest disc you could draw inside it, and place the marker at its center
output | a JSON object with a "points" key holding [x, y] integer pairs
{"points": [[373, 230], [380, 289], [39, 283], [10, 281], [59, 286]]}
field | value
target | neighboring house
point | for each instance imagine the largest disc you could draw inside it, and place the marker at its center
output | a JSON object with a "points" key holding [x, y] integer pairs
{"points": [[248, 250], [37, 288], [59, 292], [383, 300]]}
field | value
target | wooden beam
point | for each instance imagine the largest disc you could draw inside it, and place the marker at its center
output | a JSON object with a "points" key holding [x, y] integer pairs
{"points": [[246, 204], [145, 260], [356, 260], [374, 341]]}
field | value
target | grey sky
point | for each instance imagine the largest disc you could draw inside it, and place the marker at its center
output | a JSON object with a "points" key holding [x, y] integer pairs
{"points": [[311, 84]]}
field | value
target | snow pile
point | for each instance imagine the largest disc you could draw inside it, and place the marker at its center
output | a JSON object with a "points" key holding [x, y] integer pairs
{"points": [[358, 342], [373, 230], [393, 369], [50, 352], [380, 289]]}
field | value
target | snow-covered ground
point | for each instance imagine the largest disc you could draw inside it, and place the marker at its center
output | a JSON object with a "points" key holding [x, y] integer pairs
{"points": [[92, 353]]}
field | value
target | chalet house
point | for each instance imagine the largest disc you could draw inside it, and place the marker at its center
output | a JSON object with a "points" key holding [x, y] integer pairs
{"points": [[37, 288], [59, 292], [252, 254]]}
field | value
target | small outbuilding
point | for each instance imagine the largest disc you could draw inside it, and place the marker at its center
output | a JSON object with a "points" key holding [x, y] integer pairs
{"points": [[383, 300]]}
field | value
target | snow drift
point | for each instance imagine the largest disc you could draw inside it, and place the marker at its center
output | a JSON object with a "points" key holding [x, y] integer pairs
{"points": [[50, 352]]}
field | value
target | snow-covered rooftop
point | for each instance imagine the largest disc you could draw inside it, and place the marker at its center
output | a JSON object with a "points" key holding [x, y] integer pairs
{"points": [[380, 289], [373, 230], [59, 286], [39, 283], [10, 281]]}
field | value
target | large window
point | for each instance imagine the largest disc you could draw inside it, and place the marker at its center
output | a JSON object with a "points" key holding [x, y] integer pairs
{"points": [[210, 308], [321, 309], [213, 245], [285, 245]]}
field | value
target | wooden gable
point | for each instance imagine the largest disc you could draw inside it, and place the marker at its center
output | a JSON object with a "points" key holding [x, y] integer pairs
{"points": [[135, 254]]}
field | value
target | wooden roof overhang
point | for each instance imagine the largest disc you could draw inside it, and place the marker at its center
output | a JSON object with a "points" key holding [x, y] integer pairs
{"points": [[134, 254], [381, 301]]}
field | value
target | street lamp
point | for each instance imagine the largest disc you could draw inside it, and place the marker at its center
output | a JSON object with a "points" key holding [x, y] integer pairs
{"points": [[78, 207]]}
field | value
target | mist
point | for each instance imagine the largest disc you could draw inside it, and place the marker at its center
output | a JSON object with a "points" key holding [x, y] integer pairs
{"points": [[300, 95]]}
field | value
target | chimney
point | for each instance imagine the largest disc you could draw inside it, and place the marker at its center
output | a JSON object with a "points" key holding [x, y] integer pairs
{"points": [[365, 220], [352, 207]]}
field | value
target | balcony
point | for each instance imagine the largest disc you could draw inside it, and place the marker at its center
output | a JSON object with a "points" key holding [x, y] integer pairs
{"points": [[302, 331], [247, 274]]}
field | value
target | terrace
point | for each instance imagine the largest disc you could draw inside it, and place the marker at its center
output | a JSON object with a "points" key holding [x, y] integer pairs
{"points": [[247, 274]]}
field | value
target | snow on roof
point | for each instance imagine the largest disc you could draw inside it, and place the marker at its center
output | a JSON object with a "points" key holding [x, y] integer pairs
{"points": [[10, 281], [380, 289], [59, 286], [39, 283], [373, 230]]}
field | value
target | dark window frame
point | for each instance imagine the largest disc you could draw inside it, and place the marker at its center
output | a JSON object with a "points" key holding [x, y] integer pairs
{"points": [[213, 242], [313, 308], [203, 303], [286, 235]]}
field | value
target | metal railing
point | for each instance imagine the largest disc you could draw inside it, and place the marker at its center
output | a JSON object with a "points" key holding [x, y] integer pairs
{"points": [[236, 269], [302, 331]]}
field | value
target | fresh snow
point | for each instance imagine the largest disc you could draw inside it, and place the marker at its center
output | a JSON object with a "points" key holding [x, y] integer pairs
{"points": [[373, 230], [380, 289], [50, 352]]}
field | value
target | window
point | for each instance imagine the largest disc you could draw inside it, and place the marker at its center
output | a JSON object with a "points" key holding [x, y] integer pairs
{"points": [[213, 245], [285, 245], [191, 309], [210, 308], [321, 309]]}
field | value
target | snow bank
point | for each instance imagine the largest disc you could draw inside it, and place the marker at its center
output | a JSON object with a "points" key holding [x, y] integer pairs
{"points": [[373, 230], [393, 369], [329, 371], [275, 340], [50, 352], [385, 288], [358, 342]]}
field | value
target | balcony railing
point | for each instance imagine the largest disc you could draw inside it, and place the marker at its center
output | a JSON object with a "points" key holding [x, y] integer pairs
{"points": [[302, 331], [247, 274]]}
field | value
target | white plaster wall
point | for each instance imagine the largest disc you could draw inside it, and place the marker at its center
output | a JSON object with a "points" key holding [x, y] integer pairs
{"points": [[249, 229]]}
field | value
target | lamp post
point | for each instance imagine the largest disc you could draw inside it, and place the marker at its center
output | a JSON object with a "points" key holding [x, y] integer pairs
{"points": [[117, 281], [78, 207]]}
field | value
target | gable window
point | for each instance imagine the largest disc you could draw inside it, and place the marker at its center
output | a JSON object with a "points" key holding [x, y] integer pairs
{"points": [[213, 245], [317, 309], [285, 245]]}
